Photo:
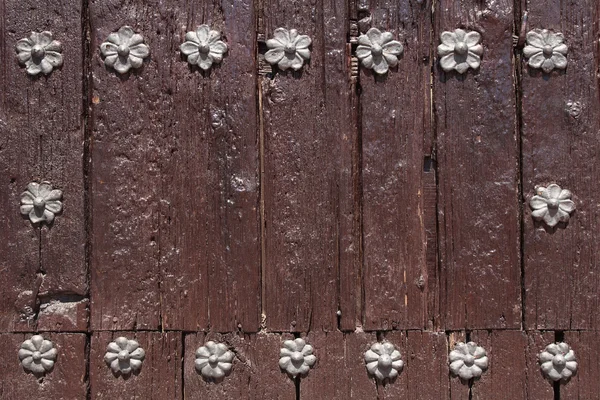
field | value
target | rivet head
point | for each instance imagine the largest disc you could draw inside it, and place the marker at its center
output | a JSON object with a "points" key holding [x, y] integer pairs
{"points": [[40, 202], [558, 362], [37, 355], [296, 357], [373, 46], [124, 50], [288, 49], [203, 47], [39, 53], [124, 356], [552, 205], [214, 361], [460, 50], [545, 50], [383, 361], [468, 361]]}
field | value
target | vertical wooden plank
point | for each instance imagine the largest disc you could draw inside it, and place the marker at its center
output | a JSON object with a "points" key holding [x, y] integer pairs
{"points": [[399, 388], [328, 379], [478, 173], [561, 120], [66, 381], [427, 365], [585, 385], [307, 129], [175, 181], [255, 373], [395, 115], [41, 139], [506, 377], [537, 385], [361, 385], [159, 378], [458, 389]]}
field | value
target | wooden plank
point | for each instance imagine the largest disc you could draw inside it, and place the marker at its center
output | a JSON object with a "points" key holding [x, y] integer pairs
{"points": [[67, 380], [506, 376], [398, 389], [41, 139], [561, 120], [255, 373], [478, 173], [159, 378], [175, 175], [537, 385], [585, 385], [458, 389], [308, 131], [396, 124], [361, 385], [426, 365]]}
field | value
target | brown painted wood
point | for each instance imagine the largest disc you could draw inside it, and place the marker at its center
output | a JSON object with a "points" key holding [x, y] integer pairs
{"points": [[175, 175], [308, 137], [396, 116], [361, 385], [159, 378], [41, 130], [426, 365], [255, 373], [561, 120], [506, 377], [399, 388], [537, 386], [478, 173], [66, 381], [585, 385], [458, 390]]}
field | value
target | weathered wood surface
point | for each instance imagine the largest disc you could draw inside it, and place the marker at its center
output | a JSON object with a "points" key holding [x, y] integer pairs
{"points": [[537, 386], [308, 200], [561, 121], [396, 138], [175, 175], [41, 139], [585, 385], [159, 378], [255, 373], [506, 377], [478, 163], [67, 380]]}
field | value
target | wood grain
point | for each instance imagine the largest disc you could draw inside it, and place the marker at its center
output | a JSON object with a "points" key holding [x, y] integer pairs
{"points": [[561, 121], [255, 374], [585, 385], [478, 173], [41, 139], [67, 380], [506, 377], [175, 175], [537, 386], [159, 378], [308, 134], [427, 365], [396, 138]]}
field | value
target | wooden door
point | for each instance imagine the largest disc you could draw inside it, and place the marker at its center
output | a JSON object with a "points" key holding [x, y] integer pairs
{"points": [[149, 194]]}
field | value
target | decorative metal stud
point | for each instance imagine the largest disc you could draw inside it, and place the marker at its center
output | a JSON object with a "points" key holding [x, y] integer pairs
{"points": [[378, 51], [288, 49], [203, 47], [383, 361], [214, 361], [124, 356], [38, 355], [546, 50], [39, 53], [558, 362], [468, 361], [41, 202], [296, 357], [124, 50], [552, 205], [460, 50]]}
